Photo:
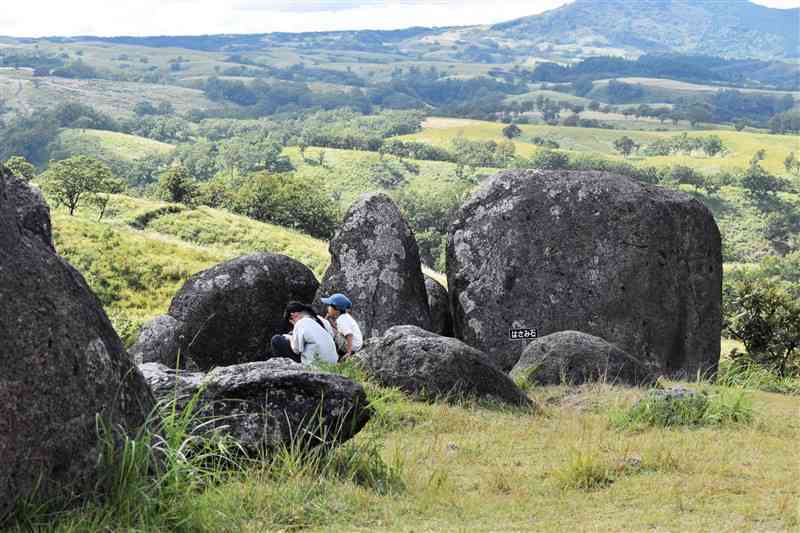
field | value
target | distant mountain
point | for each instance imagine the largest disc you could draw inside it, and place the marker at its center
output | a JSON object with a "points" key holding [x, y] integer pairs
{"points": [[729, 28]]}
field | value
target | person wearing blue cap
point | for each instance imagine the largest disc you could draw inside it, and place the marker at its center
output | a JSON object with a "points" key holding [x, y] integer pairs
{"points": [[346, 329]]}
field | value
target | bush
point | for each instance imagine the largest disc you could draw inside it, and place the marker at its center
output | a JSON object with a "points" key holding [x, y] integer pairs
{"points": [[679, 407], [550, 160], [766, 319]]}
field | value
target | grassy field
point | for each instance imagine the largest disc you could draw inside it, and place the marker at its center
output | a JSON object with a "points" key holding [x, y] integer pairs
{"points": [[740, 145], [467, 467], [107, 145]]}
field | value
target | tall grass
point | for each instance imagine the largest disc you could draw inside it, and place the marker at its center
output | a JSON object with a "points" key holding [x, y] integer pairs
{"points": [[742, 375]]}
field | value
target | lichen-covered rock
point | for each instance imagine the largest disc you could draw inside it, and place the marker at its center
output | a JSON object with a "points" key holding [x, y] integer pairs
{"points": [[432, 367], [574, 358], [375, 262], [439, 303], [159, 342], [62, 362], [264, 405], [637, 265], [230, 312]]}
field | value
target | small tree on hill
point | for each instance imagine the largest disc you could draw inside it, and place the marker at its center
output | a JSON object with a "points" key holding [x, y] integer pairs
{"points": [[21, 168], [712, 145], [740, 124], [511, 131], [177, 185], [767, 320], [70, 181], [758, 182], [626, 146], [791, 164], [105, 188]]}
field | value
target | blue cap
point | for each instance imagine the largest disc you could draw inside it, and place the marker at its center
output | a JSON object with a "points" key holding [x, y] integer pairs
{"points": [[340, 301]]}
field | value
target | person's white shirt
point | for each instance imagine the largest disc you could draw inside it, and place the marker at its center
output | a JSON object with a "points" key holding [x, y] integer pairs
{"points": [[346, 325], [313, 342]]}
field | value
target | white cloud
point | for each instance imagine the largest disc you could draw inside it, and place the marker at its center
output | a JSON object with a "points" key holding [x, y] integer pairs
{"points": [[34, 18]]}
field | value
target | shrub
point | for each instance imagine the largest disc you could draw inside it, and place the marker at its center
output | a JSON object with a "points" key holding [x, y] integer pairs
{"points": [[550, 160], [766, 319], [681, 407]]}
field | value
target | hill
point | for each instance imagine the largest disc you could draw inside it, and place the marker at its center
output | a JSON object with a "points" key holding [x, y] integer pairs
{"points": [[732, 28]]}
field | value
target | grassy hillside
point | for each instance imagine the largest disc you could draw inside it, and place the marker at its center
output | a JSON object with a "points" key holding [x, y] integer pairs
{"points": [[109, 145], [740, 145], [136, 272]]}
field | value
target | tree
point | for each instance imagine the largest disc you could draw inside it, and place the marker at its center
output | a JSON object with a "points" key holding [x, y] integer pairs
{"points": [[625, 145], [511, 131], [302, 145], [712, 145], [767, 320], [71, 180], [698, 113], [791, 164], [758, 182], [740, 124], [177, 185], [21, 168], [105, 188], [547, 159]]}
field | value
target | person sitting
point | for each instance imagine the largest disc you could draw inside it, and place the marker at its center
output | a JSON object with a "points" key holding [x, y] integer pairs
{"points": [[309, 342], [347, 331]]}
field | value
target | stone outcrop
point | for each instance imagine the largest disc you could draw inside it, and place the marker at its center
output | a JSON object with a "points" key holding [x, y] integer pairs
{"points": [[574, 358], [159, 342], [62, 362], [227, 315], [265, 405], [431, 367], [637, 265], [375, 262]]}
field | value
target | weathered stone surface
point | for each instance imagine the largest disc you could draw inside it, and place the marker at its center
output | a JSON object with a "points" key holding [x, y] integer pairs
{"points": [[263, 405], [439, 303], [62, 362], [375, 262], [573, 358], [430, 366], [637, 265], [231, 311], [159, 342]]}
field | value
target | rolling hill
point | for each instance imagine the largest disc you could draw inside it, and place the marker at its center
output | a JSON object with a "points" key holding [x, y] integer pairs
{"points": [[729, 28]]}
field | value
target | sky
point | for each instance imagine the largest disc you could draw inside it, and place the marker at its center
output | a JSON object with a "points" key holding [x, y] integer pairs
{"points": [[37, 18]]}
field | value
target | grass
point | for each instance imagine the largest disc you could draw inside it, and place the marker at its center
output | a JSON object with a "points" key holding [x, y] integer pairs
{"points": [[107, 145], [136, 272], [458, 468]]}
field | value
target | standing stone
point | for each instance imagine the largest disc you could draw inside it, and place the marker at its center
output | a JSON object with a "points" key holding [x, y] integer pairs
{"points": [[62, 362], [439, 302], [230, 312], [375, 262], [639, 266]]}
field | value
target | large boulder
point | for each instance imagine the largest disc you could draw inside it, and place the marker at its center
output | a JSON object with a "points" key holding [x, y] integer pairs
{"points": [[159, 342], [265, 405], [62, 362], [637, 265], [439, 303], [375, 262], [573, 358], [429, 366], [229, 313]]}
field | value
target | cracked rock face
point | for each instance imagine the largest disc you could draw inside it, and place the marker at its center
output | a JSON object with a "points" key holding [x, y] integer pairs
{"points": [[637, 265], [62, 361], [439, 302], [227, 315], [431, 367], [263, 405], [375, 262]]}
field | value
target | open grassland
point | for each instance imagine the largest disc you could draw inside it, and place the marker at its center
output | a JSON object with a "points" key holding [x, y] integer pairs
{"points": [[671, 87], [110, 145], [740, 146], [468, 467], [116, 98], [137, 258]]}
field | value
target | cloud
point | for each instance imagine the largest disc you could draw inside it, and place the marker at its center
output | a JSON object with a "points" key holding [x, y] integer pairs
{"points": [[35, 18]]}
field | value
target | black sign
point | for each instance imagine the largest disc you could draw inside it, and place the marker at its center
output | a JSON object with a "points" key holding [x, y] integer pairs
{"points": [[523, 334]]}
